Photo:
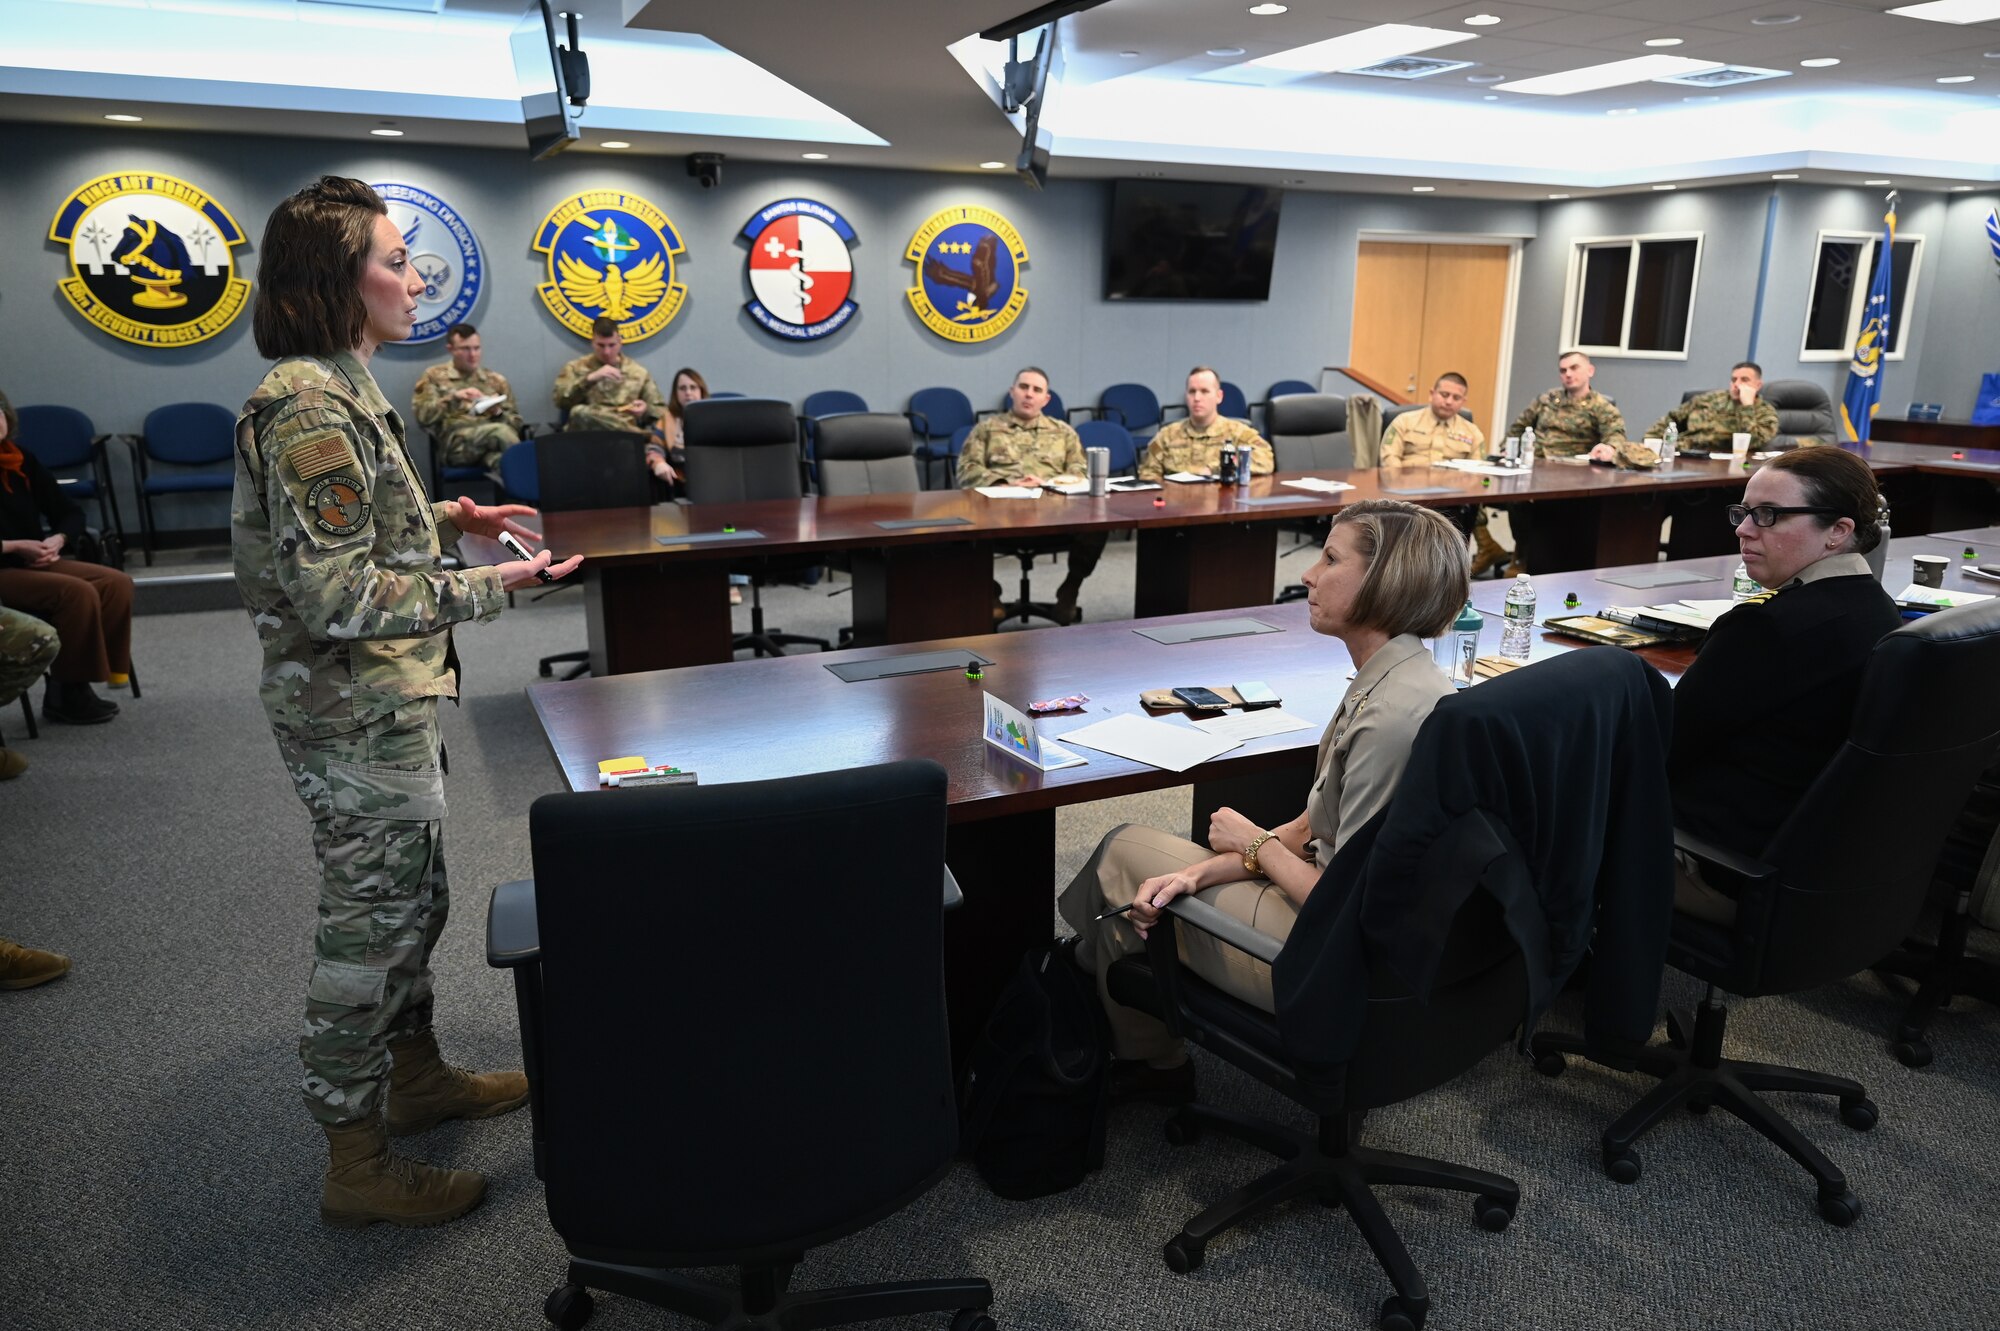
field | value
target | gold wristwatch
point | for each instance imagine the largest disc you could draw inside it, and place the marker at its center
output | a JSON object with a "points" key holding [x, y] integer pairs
{"points": [[1250, 853]]}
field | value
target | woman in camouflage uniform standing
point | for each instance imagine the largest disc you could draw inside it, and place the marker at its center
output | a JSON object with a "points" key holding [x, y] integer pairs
{"points": [[337, 554]]}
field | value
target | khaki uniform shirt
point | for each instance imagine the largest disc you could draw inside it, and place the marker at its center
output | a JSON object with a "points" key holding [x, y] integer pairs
{"points": [[1181, 447], [1002, 449], [1418, 439], [1367, 744], [440, 410], [336, 552], [574, 387], [1706, 421]]}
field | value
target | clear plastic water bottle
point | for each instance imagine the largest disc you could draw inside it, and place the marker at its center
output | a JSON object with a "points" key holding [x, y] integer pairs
{"points": [[1458, 646], [1670, 444], [1741, 585], [1520, 627], [1528, 448]]}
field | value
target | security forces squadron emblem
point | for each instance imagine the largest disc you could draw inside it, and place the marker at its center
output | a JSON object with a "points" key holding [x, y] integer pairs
{"points": [[444, 252], [337, 505], [801, 274], [149, 259], [968, 274], [610, 254]]}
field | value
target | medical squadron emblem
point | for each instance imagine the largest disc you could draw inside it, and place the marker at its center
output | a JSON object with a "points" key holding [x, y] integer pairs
{"points": [[801, 275]]}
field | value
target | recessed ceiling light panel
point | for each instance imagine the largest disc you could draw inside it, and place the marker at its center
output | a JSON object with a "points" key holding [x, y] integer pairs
{"points": [[1952, 11], [1956, 78], [1773, 20], [1558, 196], [1878, 182], [1410, 67], [995, 166], [1367, 47], [1423, 189], [814, 157], [1481, 20], [1664, 41], [1819, 62], [124, 119], [1726, 76], [1785, 175], [387, 133], [1265, 11], [1225, 52], [1616, 74]]}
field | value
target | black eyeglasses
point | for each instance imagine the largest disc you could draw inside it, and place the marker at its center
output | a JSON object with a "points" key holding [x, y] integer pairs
{"points": [[1767, 515]]}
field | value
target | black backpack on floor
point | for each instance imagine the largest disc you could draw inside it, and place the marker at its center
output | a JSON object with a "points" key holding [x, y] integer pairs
{"points": [[1037, 1083]]}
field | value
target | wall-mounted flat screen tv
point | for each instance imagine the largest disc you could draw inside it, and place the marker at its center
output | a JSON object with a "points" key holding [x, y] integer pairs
{"points": [[1181, 240]]}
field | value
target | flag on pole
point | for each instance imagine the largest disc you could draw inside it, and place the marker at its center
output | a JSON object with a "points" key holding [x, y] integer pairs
{"points": [[1864, 374], [1993, 232]]}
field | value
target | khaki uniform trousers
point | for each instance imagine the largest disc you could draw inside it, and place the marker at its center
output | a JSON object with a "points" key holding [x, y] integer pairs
{"points": [[1127, 857]]}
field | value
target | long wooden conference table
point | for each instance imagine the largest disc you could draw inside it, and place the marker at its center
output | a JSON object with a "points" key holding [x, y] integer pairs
{"points": [[755, 720], [922, 563]]}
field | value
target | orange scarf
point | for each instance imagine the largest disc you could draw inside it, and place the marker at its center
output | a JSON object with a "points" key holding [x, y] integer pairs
{"points": [[10, 464]]}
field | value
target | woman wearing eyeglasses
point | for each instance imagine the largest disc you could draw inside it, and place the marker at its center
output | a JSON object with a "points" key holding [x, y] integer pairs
{"points": [[1770, 698]]}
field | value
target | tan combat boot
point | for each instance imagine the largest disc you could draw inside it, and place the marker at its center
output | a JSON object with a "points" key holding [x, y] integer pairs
{"points": [[364, 1183], [26, 967], [12, 764], [1487, 553], [424, 1090]]}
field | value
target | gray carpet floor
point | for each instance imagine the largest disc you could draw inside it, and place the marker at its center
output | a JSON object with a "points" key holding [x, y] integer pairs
{"points": [[158, 1171]]}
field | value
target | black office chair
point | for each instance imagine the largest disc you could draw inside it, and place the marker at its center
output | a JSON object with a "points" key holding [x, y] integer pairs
{"points": [[1308, 432], [740, 450], [1481, 986], [755, 1119], [864, 453], [1804, 412], [1941, 967], [1840, 883], [582, 470]]}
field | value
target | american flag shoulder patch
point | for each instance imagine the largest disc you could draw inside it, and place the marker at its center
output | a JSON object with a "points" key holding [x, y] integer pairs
{"points": [[321, 453]]}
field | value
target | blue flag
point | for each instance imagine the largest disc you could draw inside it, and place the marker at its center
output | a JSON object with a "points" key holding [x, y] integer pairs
{"points": [[1993, 232], [1864, 374]]}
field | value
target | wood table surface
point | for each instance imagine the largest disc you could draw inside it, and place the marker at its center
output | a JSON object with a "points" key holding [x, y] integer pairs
{"points": [[788, 716]]}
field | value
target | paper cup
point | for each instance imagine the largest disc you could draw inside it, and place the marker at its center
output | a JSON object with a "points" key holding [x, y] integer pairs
{"points": [[1739, 446], [1928, 570]]}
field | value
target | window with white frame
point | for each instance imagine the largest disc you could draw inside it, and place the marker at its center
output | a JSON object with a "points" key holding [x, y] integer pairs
{"points": [[1843, 273], [1633, 295]]}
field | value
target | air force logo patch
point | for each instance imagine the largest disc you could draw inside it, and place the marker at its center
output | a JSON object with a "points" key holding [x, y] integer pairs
{"points": [[444, 252], [801, 274], [149, 259], [610, 254], [969, 264]]}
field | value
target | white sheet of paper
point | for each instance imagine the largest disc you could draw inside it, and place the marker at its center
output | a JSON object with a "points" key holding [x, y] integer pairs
{"points": [[1917, 595], [1188, 477], [1318, 485], [1071, 488], [487, 403], [1481, 468], [1155, 743], [1679, 614], [1240, 726], [1713, 609], [1008, 492]]}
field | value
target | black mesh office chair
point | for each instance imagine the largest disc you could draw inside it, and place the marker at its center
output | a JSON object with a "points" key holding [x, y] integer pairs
{"points": [[1342, 1052], [865, 453], [741, 450], [580, 470], [757, 1118], [1840, 883]]}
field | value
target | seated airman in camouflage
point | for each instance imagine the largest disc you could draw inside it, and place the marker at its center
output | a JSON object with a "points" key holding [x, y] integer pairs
{"points": [[1196, 443], [447, 399], [607, 390], [1021, 446], [1707, 420], [1576, 419]]}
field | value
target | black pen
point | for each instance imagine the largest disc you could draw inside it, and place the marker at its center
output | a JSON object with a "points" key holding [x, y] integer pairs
{"points": [[1118, 910]]}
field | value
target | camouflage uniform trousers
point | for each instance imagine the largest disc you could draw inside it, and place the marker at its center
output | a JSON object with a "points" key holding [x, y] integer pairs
{"points": [[587, 417], [376, 795], [477, 443], [28, 647]]}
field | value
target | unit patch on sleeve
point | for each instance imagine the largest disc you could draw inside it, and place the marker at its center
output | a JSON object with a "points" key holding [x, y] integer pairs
{"points": [[338, 506]]}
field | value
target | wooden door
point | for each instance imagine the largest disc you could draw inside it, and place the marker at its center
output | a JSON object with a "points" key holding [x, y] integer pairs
{"points": [[1421, 310], [1387, 341], [1465, 307]]}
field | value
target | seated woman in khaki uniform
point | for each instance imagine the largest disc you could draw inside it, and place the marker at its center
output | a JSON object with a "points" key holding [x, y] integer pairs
{"points": [[1391, 573]]}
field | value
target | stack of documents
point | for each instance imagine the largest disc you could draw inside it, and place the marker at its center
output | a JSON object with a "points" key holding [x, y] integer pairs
{"points": [[1175, 747], [1008, 491], [1314, 483]]}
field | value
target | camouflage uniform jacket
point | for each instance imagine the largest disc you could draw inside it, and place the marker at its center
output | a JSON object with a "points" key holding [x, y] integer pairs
{"points": [[574, 387], [336, 552], [1567, 427], [1706, 421], [1002, 449], [439, 409], [1418, 439], [1181, 447]]}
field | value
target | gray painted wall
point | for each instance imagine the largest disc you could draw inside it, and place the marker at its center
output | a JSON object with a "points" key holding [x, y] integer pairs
{"points": [[884, 353], [1963, 334], [1732, 223]]}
